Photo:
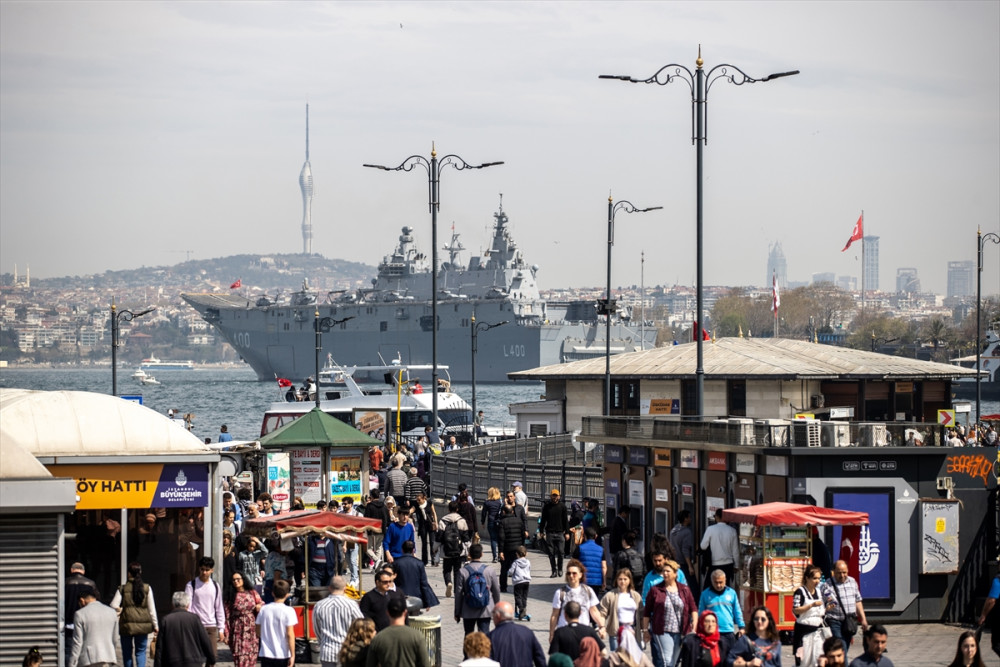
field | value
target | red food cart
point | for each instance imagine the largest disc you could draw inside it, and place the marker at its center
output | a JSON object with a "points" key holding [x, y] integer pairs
{"points": [[776, 548]]}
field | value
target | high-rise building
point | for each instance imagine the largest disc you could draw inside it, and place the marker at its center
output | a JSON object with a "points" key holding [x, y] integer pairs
{"points": [[907, 281], [777, 267], [306, 185], [823, 277], [871, 264], [961, 278]]}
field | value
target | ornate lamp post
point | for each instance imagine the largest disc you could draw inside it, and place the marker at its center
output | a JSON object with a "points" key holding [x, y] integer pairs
{"points": [[116, 317], [981, 239], [322, 325], [433, 167], [609, 307], [474, 329], [699, 82]]}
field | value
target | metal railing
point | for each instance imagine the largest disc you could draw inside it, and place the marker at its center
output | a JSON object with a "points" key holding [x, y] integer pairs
{"points": [[548, 449]]}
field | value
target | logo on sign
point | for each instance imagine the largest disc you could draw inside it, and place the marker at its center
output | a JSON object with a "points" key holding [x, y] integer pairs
{"points": [[886, 465], [687, 489], [181, 478], [868, 551], [850, 466], [716, 461], [869, 465]]}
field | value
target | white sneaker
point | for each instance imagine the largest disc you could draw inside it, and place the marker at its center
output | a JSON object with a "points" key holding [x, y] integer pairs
{"points": [[449, 589]]}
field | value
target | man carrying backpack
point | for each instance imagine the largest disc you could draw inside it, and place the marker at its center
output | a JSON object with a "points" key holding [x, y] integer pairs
{"points": [[629, 558], [453, 536], [478, 592]]}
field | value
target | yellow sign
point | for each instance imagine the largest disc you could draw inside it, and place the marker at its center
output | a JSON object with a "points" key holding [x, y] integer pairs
{"points": [[946, 417], [137, 485], [939, 525], [804, 415], [661, 458]]}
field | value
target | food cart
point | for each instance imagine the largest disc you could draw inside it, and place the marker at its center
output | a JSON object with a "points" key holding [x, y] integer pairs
{"points": [[776, 547], [303, 523]]}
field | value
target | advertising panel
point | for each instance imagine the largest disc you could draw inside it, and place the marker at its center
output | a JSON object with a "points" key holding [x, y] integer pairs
{"points": [[278, 480], [137, 485], [345, 478], [307, 473], [875, 546]]}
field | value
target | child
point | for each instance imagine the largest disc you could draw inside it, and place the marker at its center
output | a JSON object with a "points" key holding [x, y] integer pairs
{"points": [[520, 574]]}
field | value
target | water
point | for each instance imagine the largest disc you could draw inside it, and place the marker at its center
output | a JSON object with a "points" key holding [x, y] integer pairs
{"points": [[234, 396]]}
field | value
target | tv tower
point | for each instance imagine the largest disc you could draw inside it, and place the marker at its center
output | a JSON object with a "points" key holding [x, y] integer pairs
{"points": [[306, 184]]}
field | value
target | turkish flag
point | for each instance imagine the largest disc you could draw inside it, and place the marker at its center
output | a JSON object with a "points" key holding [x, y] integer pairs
{"points": [[284, 382], [694, 332], [858, 233], [775, 296], [237, 284]]}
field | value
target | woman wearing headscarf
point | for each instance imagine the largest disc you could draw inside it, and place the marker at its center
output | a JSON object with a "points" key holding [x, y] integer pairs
{"points": [[629, 653], [705, 648], [590, 654]]}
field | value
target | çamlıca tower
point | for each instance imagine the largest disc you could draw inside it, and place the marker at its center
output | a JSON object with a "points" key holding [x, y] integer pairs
{"points": [[306, 184]]}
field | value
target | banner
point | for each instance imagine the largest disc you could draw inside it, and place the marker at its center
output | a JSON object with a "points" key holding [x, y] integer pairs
{"points": [[277, 481], [307, 474], [345, 478], [137, 485]]}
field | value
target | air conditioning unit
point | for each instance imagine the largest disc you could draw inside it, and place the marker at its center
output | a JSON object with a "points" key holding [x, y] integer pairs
{"points": [[806, 433], [873, 435], [741, 431], [773, 432], [834, 434]]}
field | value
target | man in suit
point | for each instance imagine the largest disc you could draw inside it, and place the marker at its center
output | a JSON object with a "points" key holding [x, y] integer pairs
{"points": [[95, 632], [182, 639], [76, 583], [411, 577]]}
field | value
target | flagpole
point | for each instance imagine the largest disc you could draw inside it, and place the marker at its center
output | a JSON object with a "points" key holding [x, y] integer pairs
{"points": [[862, 260]]}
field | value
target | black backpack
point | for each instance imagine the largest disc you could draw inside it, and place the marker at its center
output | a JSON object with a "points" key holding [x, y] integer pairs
{"points": [[451, 540], [630, 558]]}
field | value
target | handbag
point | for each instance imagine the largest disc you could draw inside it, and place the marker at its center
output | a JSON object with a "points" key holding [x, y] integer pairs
{"points": [[825, 631], [849, 626]]}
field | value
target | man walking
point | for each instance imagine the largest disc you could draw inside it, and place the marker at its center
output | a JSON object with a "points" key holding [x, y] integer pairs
{"points": [[332, 616], [351, 548], [95, 632], [682, 540], [399, 531], [619, 526], [591, 554], [724, 543], [510, 535], [844, 590], [375, 603], [513, 645], [520, 496], [876, 640], [453, 538], [206, 603], [182, 640], [411, 577], [478, 592], [567, 638], [725, 604], [397, 483], [376, 509], [552, 526], [76, 585], [276, 629], [519, 511], [398, 645]]}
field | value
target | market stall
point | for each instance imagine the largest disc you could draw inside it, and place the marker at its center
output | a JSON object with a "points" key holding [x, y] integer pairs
{"points": [[776, 546]]}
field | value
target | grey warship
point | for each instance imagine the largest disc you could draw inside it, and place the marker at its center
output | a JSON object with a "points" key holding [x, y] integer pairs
{"points": [[392, 319]]}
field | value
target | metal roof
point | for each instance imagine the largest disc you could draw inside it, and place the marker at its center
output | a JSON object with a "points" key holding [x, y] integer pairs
{"points": [[764, 358]]}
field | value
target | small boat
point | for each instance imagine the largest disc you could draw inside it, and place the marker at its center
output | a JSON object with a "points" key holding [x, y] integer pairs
{"points": [[142, 377]]}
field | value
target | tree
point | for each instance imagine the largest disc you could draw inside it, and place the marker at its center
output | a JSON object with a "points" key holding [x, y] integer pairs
{"points": [[937, 332]]}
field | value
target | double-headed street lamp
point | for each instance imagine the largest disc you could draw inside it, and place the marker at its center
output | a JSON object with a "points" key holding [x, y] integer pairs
{"points": [[981, 240], [322, 325], [434, 168], [699, 82], [116, 317], [474, 329], [608, 307]]}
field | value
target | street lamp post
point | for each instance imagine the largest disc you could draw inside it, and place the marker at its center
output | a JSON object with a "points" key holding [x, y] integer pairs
{"points": [[322, 325], [609, 307], [434, 166], [981, 239], [116, 317], [699, 82], [474, 329]]}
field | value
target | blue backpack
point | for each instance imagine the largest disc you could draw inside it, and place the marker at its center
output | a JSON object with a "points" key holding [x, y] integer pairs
{"points": [[476, 594]]}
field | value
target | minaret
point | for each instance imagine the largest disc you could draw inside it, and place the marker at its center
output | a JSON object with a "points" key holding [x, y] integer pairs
{"points": [[306, 184]]}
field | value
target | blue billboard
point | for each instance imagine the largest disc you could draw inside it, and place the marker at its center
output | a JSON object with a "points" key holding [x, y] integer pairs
{"points": [[875, 548]]}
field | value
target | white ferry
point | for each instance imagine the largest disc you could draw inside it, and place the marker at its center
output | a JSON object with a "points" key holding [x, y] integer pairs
{"points": [[154, 364]]}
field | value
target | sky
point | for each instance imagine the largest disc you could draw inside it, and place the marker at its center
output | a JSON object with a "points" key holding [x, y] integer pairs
{"points": [[142, 133]]}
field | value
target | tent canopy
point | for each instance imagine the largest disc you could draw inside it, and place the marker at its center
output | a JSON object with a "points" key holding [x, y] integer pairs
{"points": [[318, 429], [793, 514], [312, 521]]}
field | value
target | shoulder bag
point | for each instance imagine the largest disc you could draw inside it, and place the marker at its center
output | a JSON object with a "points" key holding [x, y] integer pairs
{"points": [[849, 626]]}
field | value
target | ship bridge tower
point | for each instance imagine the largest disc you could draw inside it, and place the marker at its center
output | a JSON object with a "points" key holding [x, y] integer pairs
{"points": [[306, 185]]}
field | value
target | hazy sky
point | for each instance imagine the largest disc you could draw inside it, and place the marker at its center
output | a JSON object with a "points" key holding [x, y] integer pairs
{"points": [[131, 132]]}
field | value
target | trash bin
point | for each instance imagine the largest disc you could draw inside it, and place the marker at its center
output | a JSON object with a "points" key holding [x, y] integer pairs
{"points": [[430, 627]]}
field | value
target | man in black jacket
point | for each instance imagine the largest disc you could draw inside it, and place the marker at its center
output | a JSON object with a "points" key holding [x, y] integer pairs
{"points": [[411, 577], [76, 584], [376, 509], [374, 603], [553, 525], [182, 639], [567, 638], [618, 529], [511, 499], [510, 535]]}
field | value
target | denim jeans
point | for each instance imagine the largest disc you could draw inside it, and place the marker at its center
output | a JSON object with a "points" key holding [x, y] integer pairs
{"points": [[665, 648], [352, 565], [493, 530], [837, 629], [139, 643]]}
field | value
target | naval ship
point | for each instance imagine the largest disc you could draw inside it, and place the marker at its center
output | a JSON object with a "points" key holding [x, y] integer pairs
{"points": [[392, 319]]}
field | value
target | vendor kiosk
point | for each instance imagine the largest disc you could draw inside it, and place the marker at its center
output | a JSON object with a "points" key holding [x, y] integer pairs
{"points": [[776, 547]]}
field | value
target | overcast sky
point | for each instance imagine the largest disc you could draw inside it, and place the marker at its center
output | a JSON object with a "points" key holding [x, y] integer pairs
{"points": [[133, 132]]}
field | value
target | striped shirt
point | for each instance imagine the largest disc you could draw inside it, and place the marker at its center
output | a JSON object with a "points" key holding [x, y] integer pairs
{"points": [[850, 595], [332, 616]]}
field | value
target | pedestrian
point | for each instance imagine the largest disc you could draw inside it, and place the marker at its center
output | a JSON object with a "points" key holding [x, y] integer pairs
{"points": [[848, 614], [397, 482], [351, 551], [619, 526], [876, 644], [629, 654], [76, 584], [991, 613], [206, 603], [354, 652], [414, 487], [682, 541], [374, 604], [721, 539], [552, 527], [276, 629], [332, 618], [467, 508], [511, 499], [324, 554], [265, 504], [519, 495], [574, 590], [398, 645], [669, 613], [591, 554], [376, 509], [628, 558], [453, 536], [478, 592], [513, 645], [182, 641], [477, 649], [520, 576], [567, 638], [706, 647], [967, 652], [725, 604], [33, 658], [761, 645], [509, 536], [834, 653], [491, 517], [821, 555], [478, 424], [136, 616], [243, 603], [655, 575], [95, 631], [275, 568], [224, 435], [400, 531], [809, 609], [426, 517], [411, 577], [250, 562], [621, 607]]}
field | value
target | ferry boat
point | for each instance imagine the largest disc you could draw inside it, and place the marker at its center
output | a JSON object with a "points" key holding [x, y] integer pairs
{"points": [[989, 366], [154, 364]]}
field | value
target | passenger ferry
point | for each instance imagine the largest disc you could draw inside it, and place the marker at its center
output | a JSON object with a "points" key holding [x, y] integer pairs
{"points": [[154, 364]]}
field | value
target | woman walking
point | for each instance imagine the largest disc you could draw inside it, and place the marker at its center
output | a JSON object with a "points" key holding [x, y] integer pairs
{"points": [[761, 645], [354, 651], [621, 607], [134, 600], [705, 647], [810, 611], [491, 517], [242, 605]]}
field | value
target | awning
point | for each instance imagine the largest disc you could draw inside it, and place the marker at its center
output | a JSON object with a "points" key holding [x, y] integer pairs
{"points": [[302, 522], [793, 514]]}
